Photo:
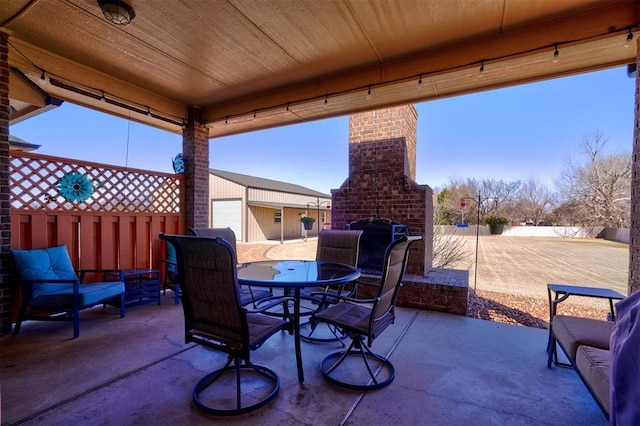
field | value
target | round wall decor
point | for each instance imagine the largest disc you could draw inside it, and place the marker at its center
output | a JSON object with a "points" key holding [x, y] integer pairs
{"points": [[178, 163], [75, 187]]}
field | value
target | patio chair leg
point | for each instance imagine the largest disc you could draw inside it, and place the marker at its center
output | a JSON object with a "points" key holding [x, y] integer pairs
{"points": [[21, 313], [238, 366], [358, 347], [76, 322], [550, 349], [338, 335]]}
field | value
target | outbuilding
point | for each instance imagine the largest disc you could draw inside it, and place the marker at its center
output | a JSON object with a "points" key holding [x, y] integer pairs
{"points": [[259, 209]]}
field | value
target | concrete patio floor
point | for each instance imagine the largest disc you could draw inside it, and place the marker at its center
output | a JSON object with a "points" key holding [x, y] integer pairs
{"points": [[137, 371]]}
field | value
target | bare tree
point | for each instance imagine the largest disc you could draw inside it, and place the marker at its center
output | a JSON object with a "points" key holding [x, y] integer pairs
{"points": [[600, 183], [448, 209], [496, 196], [499, 195], [534, 202], [448, 249]]}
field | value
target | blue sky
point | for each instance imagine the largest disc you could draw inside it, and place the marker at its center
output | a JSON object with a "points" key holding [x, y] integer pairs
{"points": [[513, 133]]}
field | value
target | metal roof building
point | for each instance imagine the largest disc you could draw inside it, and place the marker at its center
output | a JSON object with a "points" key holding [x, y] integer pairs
{"points": [[260, 209]]}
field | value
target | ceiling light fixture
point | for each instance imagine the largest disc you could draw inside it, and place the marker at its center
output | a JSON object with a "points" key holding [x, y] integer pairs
{"points": [[556, 55], [481, 70], [369, 92], [117, 11]]}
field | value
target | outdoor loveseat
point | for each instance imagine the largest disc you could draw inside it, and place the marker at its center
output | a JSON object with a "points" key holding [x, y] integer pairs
{"points": [[605, 355], [50, 288]]}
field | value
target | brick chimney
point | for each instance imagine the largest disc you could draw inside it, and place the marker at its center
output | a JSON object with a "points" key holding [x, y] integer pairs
{"points": [[381, 182]]}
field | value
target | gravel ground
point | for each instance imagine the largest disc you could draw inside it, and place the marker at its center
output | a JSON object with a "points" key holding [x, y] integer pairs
{"points": [[513, 273]]}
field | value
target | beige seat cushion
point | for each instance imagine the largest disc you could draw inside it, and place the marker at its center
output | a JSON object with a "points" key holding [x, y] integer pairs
{"points": [[572, 332], [593, 364]]}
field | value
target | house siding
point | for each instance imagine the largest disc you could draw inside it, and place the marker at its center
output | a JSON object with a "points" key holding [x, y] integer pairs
{"points": [[223, 189]]}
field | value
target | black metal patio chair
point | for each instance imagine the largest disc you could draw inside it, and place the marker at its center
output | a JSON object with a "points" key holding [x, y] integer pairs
{"points": [[215, 318], [248, 295], [366, 319], [339, 246], [170, 272]]}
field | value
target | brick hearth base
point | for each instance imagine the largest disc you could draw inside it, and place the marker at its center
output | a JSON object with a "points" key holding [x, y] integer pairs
{"points": [[444, 290]]}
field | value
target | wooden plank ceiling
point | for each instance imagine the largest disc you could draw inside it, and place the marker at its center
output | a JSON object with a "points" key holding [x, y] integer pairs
{"points": [[257, 64]]}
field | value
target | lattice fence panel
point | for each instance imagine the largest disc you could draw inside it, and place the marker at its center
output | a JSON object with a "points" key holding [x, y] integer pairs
{"points": [[41, 182]]}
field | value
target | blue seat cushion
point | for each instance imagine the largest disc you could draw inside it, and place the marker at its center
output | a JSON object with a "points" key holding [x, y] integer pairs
{"points": [[51, 263], [88, 295]]}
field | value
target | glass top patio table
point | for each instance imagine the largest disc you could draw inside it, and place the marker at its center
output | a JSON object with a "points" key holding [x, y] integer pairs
{"points": [[295, 275]]}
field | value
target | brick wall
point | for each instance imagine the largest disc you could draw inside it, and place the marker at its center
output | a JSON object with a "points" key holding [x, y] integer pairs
{"points": [[195, 150], [634, 244], [443, 290], [6, 299], [381, 182]]}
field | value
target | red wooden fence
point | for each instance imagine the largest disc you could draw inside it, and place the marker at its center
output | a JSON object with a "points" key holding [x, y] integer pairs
{"points": [[109, 217]]}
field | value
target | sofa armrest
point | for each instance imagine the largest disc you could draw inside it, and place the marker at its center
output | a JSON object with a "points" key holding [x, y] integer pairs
{"points": [[117, 273], [592, 365]]}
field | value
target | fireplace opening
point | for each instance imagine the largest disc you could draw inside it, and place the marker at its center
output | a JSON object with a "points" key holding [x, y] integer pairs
{"points": [[377, 234]]}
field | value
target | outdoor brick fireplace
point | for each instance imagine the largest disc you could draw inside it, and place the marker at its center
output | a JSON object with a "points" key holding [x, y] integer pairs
{"points": [[381, 186]]}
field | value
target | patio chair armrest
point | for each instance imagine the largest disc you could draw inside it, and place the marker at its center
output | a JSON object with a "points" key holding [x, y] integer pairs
{"points": [[104, 272], [26, 286], [268, 303]]}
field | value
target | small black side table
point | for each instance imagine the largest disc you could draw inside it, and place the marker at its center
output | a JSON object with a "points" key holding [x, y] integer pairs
{"points": [[141, 286], [562, 293]]}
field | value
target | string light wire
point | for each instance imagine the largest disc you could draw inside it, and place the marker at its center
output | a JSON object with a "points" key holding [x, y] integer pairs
{"points": [[82, 89]]}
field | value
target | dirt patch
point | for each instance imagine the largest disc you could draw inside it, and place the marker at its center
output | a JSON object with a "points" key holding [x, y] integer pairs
{"points": [[523, 266]]}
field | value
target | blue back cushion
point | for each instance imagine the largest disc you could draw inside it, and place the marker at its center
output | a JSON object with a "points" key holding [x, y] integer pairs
{"points": [[171, 257], [51, 263]]}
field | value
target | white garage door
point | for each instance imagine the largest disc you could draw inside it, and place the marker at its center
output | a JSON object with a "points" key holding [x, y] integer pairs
{"points": [[227, 213]]}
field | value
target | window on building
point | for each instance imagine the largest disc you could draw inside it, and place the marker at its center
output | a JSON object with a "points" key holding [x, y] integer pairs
{"points": [[277, 217]]}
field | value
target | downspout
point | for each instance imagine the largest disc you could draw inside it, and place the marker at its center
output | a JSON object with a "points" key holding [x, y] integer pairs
{"points": [[245, 219]]}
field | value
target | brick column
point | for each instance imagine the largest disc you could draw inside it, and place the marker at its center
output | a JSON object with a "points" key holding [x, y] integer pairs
{"points": [[389, 123], [634, 243], [381, 182], [195, 150], [6, 294]]}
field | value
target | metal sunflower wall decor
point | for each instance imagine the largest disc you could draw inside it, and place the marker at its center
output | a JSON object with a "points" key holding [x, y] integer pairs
{"points": [[75, 187]]}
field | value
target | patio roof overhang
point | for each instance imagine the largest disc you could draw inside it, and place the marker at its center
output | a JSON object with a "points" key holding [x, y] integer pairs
{"points": [[255, 65]]}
